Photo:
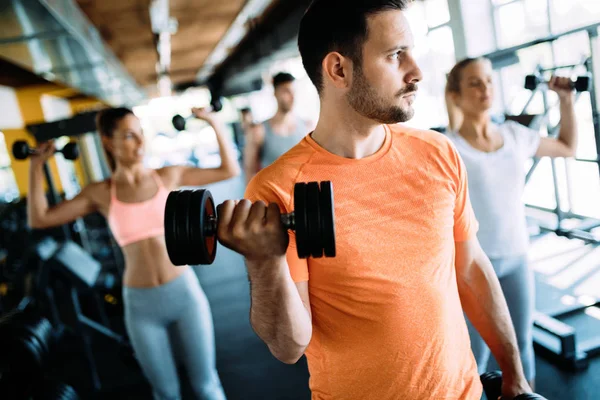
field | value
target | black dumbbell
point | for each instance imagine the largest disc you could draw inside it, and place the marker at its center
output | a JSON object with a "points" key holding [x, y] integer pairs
{"points": [[179, 121], [21, 150], [492, 386], [52, 390], [25, 340], [191, 224], [582, 84]]}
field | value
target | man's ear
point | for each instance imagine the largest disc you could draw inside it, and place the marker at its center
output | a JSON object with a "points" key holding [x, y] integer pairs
{"points": [[337, 69]]}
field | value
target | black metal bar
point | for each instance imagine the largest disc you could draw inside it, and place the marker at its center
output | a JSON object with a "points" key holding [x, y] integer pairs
{"points": [[597, 160], [54, 313], [49, 35], [591, 346], [559, 330], [574, 309], [593, 36], [561, 67], [524, 111], [553, 211], [101, 329], [578, 234], [589, 224], [78, 67], [507, 51], [101, 311], [87, 346]]}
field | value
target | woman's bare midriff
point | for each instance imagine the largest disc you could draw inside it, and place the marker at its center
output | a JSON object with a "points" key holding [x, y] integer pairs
{"points": [[147, 264]]}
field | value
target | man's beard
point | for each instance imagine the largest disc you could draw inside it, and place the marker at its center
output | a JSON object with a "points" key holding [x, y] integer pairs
{"points": [[364, 99]]}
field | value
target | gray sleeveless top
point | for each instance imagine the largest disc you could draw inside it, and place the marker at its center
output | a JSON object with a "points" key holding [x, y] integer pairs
{"points": [[275, 145]]}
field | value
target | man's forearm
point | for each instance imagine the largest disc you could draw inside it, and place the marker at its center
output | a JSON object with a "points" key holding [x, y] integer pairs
{"points": [[277, 312], [568, 124], [484, 303]]}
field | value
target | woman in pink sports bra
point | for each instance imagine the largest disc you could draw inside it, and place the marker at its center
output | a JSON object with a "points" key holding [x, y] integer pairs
{"points": [[163, 304]]}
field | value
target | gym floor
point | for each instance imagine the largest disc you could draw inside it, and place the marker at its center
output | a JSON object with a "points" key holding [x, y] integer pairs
{"points": [[247, 369]]}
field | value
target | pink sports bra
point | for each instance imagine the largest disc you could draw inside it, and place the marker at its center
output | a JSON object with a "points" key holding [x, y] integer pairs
{"points": [[133, 222]]}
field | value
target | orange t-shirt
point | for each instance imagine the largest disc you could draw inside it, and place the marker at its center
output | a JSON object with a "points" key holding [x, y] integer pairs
{"points": [[386, 313]]}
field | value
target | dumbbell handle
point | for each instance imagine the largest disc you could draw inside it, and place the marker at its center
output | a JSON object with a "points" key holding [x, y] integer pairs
{"points": [[287, 220]]}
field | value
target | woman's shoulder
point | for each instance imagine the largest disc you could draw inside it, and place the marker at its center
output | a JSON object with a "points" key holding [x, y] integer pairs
{"points": [[97, 187]]}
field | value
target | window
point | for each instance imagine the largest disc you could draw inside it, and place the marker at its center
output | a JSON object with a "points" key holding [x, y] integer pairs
{"points": [[513, 79], [9, 190], [436, 12], [435, 55], [540, 190], [584, 179], [521, 21], [570, 14]]}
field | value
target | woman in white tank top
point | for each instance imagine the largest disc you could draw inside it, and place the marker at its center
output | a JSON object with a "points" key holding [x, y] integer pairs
{"points": [[495, 156]]}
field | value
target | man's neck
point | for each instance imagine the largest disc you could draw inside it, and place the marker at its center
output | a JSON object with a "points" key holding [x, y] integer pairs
{"points": [[342, 131], [283, 117]]}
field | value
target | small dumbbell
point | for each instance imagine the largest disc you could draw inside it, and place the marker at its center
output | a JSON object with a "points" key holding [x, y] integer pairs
{"points": [[581, 84], [191, 224], [21, 150], [492, 386], [179, 122]]}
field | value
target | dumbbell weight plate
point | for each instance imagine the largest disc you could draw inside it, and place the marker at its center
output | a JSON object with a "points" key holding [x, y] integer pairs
{"points": [[492, 384], [204, 241], [184, 202], [327, 219], [313, 218], [301, 225], [195, 237], [170, 226], [20, 150], [531, 82], [174, 245], [50, 390], [70, 151], [216, 105], [582, 84], [179, 122]]}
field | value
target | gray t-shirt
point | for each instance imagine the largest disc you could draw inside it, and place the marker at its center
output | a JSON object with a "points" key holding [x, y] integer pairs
{"points": [[496, 185], [275, 145]]}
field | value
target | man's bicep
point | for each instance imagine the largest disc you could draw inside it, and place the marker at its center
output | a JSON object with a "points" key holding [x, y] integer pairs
{"points": [[465, 221]]}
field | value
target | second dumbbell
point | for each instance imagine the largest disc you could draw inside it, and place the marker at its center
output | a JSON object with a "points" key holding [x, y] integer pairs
{"points": [[581, 84], [21, 150], [179, 122]]}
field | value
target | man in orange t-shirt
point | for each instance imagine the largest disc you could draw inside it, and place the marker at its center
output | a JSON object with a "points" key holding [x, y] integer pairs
{"points": [[384, 318]]}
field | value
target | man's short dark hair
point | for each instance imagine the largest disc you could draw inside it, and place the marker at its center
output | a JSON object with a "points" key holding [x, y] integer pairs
{"points": [[245, 110], [337, 25], [281, 78]]}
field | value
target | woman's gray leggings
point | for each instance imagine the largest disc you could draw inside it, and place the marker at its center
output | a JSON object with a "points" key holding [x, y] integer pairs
{"points": [[173, 316], [518, 285]]}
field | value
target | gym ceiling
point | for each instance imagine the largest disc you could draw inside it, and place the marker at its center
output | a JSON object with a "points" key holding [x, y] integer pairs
{"points": [[126, 51]]}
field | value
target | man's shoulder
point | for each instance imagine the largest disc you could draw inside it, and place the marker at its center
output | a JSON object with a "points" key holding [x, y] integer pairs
{"points": [[279, 178], [423, 137]]}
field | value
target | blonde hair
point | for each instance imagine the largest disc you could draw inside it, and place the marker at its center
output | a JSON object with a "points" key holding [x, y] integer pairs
{"points": [[455, 75]]}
